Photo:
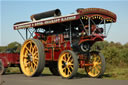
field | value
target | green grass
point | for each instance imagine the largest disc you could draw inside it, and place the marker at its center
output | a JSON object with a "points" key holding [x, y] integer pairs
{"points": [[112, 72], [119, 73], [12, 70]]}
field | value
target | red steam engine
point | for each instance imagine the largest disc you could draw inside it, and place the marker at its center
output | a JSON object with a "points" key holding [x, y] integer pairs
{"points": [[63, 43]]}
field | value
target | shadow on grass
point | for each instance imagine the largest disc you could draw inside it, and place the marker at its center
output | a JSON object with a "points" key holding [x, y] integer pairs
{"points": [[107, 75], [78, 76]]}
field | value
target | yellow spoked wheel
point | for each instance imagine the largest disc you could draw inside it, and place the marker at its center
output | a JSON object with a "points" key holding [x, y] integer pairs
{"points": [[67, 64], [98, 65], [32, 57]]}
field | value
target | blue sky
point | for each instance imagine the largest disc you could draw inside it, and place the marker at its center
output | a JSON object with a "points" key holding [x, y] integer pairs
{"points": [[16, 10]]}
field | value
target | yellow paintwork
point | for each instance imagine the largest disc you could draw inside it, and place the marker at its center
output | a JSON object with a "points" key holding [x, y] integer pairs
{"points": [[94, 70], [65, 64], [29, 57]]}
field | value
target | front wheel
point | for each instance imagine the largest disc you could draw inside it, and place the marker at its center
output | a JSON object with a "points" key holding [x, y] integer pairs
{"points": [[98, 65], [67, 64], [32, 57]]}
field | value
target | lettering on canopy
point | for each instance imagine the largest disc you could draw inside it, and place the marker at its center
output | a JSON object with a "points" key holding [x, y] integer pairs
{"points": [[46, 22]]}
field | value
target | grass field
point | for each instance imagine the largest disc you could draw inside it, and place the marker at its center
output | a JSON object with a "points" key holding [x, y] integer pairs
{"points": [[116, 73]]}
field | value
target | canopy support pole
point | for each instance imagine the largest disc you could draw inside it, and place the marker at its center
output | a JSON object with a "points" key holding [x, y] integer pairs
{"points": [[70, 28], [21, 35], [26, 34], [104, 27], [89, 28], [83, 26]]}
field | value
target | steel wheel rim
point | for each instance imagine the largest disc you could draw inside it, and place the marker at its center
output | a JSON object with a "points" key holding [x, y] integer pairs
{"points": [[94, 70], [29, 58], [66, 64]]}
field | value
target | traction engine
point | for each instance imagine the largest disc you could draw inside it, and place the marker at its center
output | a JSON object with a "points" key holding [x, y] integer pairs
{"points": [[63, 43]]}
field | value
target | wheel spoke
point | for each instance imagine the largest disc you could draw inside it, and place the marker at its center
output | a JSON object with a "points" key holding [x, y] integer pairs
{"points": [[70, 64], [64, 59], [35, 64], [66, 56], [93, 70], [35, 54], [99, 63], [25, 57], [34, 49], [96, 70], [71, 67], [32, 67], [27, 65], [26, 53], [30, 46], [71, 61], [35, 61], [35, 58], [69, 71], [69, 57], [64, 69], [27, 49]]}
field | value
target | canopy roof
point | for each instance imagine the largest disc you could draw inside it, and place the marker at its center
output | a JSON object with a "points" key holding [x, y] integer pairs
{"points": [[96, 14]]}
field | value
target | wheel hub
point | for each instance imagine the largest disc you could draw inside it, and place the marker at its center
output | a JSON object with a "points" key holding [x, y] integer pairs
{"points": [[30, 58]]}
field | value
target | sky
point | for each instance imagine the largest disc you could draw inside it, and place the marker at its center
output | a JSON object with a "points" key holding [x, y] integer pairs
{"points": [[13, 11]]}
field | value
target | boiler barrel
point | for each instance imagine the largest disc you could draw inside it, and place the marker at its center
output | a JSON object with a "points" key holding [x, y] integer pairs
{"points": [[47, 14]]}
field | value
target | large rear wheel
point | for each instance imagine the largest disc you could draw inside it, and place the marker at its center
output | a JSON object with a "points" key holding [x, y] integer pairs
{"points": [[32, 57], [68, 64], [97, 68]]}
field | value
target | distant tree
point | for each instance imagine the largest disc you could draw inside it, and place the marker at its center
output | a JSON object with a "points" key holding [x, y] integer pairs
{"points": [[15, 46], [3, 48], [124, 55], [100, 45], [126, 45], [111, 54]]}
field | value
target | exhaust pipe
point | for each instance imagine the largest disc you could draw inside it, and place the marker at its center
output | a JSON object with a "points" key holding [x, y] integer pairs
{"points": [[47, 14]]}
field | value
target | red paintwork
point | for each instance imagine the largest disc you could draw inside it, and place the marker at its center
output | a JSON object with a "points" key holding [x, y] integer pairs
{"points": [[55, 43], [94, 38], [9, 59]]}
